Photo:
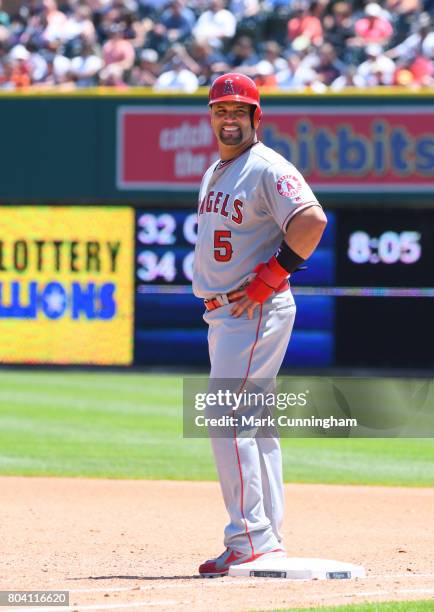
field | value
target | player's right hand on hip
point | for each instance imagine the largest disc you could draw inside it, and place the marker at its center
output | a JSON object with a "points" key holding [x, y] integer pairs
{"points": [[242, 303]]}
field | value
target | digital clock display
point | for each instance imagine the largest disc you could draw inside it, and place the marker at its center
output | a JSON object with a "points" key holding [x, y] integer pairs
{"points": [[385, 248], [389, 248]]}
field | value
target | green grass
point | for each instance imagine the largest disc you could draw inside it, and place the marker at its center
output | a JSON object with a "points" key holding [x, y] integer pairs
{"points": [[129, 425], [390, 606]]}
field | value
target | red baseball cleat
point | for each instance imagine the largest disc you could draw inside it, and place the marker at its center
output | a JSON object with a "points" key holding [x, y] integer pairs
{"points": [[220, 565]]}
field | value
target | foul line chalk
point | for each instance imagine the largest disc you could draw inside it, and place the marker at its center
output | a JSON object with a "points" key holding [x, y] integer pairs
{"points": [[393, 576], [382, 593], [403, 591], [173, 603]]}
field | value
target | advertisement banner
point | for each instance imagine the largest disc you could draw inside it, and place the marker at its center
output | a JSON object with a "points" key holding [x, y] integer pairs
{"points": [[359, 149], [67, 285]]}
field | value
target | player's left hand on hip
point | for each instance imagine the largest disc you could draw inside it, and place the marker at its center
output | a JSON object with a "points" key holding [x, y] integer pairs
{"points": [[243, 304]]}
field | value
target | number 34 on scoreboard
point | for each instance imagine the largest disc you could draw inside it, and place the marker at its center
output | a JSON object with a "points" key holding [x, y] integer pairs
{"points": [[153, 267]]}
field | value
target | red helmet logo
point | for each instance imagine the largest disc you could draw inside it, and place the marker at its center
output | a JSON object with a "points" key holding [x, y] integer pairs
{"points": [[228, 88]]}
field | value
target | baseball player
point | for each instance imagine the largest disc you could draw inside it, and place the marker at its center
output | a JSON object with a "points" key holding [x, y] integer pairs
{"points": [[258, 221]]}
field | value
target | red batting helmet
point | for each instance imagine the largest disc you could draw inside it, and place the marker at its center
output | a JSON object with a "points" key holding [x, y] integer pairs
{"points": [[234, 87]]}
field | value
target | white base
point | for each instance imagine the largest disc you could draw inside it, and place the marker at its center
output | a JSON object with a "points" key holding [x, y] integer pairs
{"points": [[298, 568]]}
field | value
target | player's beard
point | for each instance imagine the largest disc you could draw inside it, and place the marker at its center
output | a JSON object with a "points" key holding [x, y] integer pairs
{"points": [[233, 138]]}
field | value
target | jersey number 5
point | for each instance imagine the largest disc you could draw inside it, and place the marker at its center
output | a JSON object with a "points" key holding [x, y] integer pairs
{"points": [[222, 246]]}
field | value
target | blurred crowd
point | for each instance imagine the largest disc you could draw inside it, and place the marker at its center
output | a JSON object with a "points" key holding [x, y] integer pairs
{"points": [[180, 45]]}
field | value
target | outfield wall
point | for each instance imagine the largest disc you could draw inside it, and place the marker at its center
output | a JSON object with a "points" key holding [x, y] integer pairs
{"points": [[98, 198], [108, 147]]}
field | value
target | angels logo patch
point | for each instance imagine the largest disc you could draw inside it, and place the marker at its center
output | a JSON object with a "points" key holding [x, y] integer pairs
{"points": [[289, 186], [229, 87]]}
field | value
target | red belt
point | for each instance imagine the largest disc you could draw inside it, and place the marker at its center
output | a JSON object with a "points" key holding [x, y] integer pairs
{"points": [[227, 298]]}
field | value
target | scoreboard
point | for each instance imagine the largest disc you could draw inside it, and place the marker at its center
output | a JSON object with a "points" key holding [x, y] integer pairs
{"points": [[111, 285], [386, 248], [385, 273], [164, 247], [370, 264]]}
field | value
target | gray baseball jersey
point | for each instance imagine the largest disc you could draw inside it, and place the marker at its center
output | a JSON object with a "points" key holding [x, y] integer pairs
{"points": [[244, 207]]}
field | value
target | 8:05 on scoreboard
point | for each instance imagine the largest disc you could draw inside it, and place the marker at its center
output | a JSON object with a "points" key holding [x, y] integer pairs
{"points": [[385, 248], [389, 248]]}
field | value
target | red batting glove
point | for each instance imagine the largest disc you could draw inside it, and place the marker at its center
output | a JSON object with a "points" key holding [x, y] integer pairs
{"points": [[269, 278]]}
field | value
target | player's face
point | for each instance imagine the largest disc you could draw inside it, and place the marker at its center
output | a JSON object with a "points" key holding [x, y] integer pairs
{"points": [[231, 123]]}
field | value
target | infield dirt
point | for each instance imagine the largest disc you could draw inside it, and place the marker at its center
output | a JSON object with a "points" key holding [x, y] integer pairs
{"points": [[137, 544]]}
